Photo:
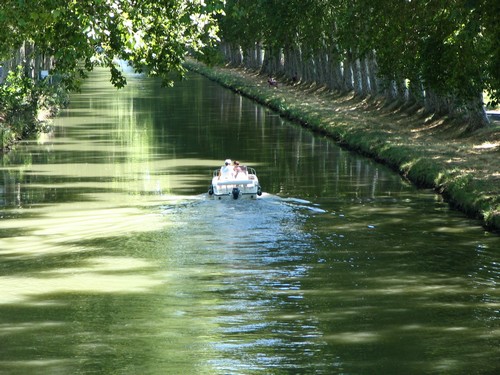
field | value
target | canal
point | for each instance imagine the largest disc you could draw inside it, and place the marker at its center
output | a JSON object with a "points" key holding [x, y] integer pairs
{"points": [[113, 260]]}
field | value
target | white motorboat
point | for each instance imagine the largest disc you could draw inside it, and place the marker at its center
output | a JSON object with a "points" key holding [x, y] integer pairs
{"points": [[244, 185]]}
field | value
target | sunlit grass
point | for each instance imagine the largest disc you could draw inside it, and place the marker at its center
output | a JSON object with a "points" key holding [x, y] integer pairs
{"points": [[487, 145]]}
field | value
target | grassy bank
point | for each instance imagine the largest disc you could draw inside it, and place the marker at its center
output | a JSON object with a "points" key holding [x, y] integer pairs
{"points": [[431, 152]]}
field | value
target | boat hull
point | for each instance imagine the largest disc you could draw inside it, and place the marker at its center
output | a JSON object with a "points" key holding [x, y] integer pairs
{"points": [[245, 186]]}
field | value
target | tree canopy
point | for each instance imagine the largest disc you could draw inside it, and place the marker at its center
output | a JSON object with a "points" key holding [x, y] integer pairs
{"points": [[152, 35], [446, 48]]}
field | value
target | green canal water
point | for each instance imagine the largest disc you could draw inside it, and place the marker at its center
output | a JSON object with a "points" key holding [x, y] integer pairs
{"points": [[113, 260]]}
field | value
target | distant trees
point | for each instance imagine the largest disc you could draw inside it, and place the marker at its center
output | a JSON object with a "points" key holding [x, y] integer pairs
{"points": [[439, 54]]}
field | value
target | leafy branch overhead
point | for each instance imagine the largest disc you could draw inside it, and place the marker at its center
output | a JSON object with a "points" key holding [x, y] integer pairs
{"points": [[153, 35]]}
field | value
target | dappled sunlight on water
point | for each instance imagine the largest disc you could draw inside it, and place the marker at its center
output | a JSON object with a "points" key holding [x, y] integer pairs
{"points": [[114, 260], [112, 275], [60, 228]]}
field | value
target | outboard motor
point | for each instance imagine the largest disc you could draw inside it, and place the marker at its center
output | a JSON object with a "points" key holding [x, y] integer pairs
{"points": [[259, 190], [236, 193]]}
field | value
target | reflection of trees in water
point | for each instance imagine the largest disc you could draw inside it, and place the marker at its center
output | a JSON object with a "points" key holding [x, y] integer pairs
{"points": [[309, 166]]}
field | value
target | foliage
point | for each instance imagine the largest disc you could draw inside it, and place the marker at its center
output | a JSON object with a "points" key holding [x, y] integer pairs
{"points": [[448, 47], [18, 100], [21, 98], [152, 35]]}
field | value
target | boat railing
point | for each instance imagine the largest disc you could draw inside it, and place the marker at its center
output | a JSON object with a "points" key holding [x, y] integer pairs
{"points": [[249, 171]]}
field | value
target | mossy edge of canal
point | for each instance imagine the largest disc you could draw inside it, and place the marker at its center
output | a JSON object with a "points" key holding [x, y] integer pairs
{"points": [[421, 164]]}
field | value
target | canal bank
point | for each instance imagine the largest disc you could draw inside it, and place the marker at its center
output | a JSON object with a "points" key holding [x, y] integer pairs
{"points": [[432, 152], [27, 107]]}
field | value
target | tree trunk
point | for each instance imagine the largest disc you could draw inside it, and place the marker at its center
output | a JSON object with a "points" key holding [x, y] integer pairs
{"points": [[232, 53], [435, 104], [308, 70], [365, 84], [327, 68], [391, 90], [259, 55], [288, 62], [373, 74], [347, 82], [476, 114], [271, 62], [251, 57], [402, 89], [415, 92], [356, 77], [335, 69]]}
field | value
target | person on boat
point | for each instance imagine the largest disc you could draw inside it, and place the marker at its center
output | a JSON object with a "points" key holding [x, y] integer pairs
{"points": [[226, 171], [239, 169]]}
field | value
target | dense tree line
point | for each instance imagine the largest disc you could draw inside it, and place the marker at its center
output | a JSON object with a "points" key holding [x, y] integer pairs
{"points": [[441, 54]]}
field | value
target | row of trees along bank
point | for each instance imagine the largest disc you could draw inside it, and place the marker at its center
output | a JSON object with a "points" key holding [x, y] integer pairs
{"points": [[440, 55]]}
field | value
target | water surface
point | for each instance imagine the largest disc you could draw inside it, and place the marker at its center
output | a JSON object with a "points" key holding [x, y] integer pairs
{"points": [[114, 261]]}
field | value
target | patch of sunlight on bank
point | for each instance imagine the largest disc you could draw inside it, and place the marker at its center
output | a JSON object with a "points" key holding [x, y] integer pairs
{"points": [[422, 289], [449, 305], [97, 275], [495, 333], [486, 146]]}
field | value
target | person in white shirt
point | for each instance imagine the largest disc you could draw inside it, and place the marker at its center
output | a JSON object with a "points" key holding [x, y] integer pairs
{"points": [[226, 170]]}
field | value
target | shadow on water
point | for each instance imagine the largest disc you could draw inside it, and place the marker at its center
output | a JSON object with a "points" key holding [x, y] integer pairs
{"points": [[112, 263]]}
